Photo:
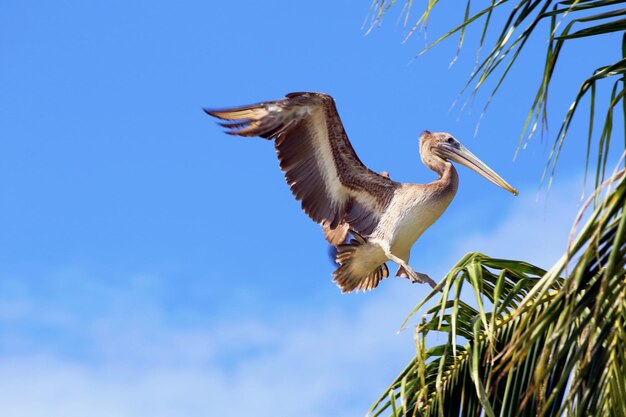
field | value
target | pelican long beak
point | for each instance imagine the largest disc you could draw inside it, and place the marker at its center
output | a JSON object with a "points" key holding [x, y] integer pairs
{"points": [[463, 156]]}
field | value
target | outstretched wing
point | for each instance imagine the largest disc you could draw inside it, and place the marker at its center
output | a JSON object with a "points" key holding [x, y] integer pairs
{"points": [[317, 158]]}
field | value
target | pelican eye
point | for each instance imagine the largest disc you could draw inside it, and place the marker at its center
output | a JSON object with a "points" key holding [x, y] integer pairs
{"points": [[453, 142]]}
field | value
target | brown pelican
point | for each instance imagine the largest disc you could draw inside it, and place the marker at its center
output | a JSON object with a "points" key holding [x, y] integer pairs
{"points": [[337, 191]]}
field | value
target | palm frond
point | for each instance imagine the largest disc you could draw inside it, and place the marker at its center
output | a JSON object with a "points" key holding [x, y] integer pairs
{"points": [[536, 344]]}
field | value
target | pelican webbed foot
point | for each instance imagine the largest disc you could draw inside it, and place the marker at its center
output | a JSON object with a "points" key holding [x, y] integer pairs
{"points": [[407, 272], [418, 277]]}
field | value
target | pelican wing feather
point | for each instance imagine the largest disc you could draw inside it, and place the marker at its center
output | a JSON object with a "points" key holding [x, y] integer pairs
{"points": [[320, 165]]}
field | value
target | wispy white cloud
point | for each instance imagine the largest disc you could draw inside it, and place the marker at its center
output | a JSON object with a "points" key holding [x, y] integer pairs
{"points": [[134, 360], [310, 364]]}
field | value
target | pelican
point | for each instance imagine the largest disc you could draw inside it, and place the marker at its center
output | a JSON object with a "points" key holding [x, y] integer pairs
{"points": [[339, 192]]}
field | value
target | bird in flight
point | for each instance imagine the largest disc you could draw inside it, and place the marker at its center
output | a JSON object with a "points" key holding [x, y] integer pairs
{"points": [[338, 191]]}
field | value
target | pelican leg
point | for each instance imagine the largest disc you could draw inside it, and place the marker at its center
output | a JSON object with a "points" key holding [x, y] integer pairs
{"points": [[413, 276]]}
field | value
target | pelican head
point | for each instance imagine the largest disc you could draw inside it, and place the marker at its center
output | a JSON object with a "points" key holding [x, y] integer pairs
{"points": [[444, 146]]}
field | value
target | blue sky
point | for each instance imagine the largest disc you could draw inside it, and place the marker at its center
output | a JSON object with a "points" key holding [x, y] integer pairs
{"points": [[151, 265]]}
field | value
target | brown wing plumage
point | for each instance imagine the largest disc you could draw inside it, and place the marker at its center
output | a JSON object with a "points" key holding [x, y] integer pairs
{"points": [[319, 163]]}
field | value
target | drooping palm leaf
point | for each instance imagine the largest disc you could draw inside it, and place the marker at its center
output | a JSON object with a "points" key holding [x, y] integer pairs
{"points": [[567, 21], [443, 375]]}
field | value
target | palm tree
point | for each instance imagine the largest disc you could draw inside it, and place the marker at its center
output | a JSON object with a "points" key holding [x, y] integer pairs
{"points": [[538, 343]]}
